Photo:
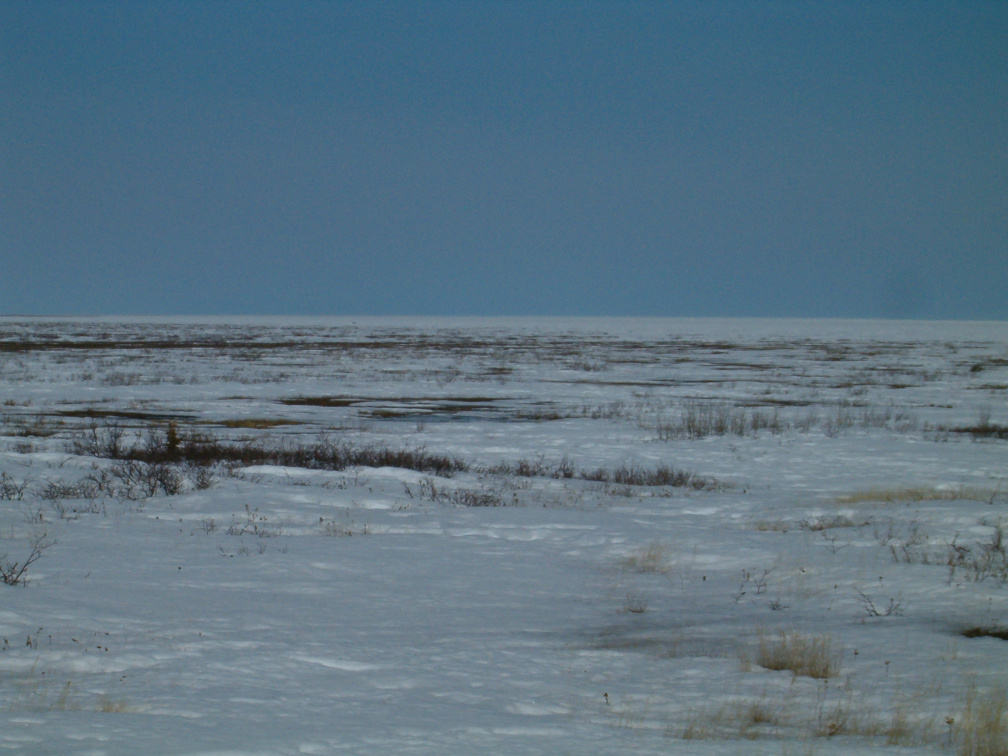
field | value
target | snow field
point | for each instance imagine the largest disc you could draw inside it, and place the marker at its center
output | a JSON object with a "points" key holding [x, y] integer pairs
{"points": [[287, 610]]}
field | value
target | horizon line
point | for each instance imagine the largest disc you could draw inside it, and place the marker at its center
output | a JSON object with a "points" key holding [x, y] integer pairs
{"points": [[373, 316]]}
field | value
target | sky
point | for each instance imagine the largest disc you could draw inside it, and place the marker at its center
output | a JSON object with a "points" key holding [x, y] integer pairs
{"points": [[737, 159]]}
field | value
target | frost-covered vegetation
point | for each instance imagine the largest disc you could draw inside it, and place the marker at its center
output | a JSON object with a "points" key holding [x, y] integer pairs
{"points": [[321, 536]]}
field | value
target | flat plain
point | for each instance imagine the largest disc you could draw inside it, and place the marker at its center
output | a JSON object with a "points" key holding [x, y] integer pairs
{"points": [[321, 536]]}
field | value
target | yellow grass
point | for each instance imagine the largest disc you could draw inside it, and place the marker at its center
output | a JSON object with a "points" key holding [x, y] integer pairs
{"points": [[924, 493]]}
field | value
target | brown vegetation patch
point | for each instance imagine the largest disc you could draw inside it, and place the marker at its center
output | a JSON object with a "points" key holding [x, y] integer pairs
{"points": [[985, 632], [259, 423], [984, 430], [147, 417], [320, 401]]}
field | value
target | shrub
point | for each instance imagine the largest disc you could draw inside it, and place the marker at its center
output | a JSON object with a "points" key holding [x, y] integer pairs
{"points": [[98, 440], [10, 489], [994, 631], [977, 563], [172, 447], [662, 475], [145, 480], [471, 497], [13, 572]]}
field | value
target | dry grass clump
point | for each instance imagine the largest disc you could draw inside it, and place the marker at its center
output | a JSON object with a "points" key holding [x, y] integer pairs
{"points": [[745, 719], [634, 603], [109, 705], [804, 655], [700, 419], [648, 559], [826, 714], [983, 726], [848, 717]]}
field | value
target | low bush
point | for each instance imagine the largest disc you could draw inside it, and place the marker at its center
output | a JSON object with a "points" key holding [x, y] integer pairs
{"points": [[476, 497], [663, 475], [976, 563], [11, 489], [994, 631], [169, 446], [990, 430], [147, 462], [143, 480], [625, 475], [13, 571]]}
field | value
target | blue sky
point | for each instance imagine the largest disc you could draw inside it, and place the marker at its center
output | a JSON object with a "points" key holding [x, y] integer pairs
{"points": [[842, 159]]}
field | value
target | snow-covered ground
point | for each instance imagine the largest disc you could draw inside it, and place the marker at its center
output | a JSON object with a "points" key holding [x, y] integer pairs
{"points": [[270, 608]]}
